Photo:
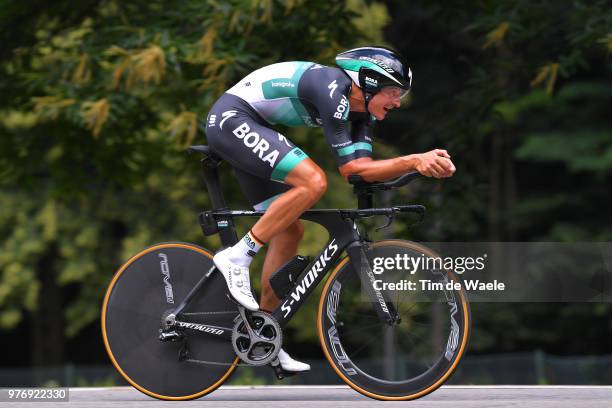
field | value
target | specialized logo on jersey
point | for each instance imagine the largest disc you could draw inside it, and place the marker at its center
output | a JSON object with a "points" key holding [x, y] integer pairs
{"points": [[342, 109], [283, 139], [332, 85], [226, 115], [260, 146], [211, 120]]}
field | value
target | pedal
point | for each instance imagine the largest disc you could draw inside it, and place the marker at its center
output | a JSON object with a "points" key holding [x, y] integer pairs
{"points": [[173, 336], [279, 372]]}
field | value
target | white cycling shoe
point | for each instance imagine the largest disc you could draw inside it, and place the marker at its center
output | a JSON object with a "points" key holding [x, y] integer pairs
{"points": [[237, 279], [289, 364]]}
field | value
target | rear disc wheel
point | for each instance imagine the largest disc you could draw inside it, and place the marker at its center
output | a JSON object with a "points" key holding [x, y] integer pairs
{"points": [[142, 292]]}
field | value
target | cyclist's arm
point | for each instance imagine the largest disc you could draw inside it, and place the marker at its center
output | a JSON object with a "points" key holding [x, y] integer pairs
{"points": [[435, 163]]}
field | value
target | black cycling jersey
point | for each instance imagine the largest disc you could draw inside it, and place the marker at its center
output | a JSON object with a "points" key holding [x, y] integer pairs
{"points": [[238, 127]]}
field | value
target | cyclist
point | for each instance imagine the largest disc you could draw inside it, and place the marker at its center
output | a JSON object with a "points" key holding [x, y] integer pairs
{"points": [[278, 176]]}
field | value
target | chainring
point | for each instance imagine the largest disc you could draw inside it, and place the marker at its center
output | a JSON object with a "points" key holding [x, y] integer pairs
{"points": [[258, 346]]}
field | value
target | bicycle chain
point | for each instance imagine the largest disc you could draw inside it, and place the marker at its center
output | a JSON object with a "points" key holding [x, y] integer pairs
{"points": [[204, 362], [206, 313]]}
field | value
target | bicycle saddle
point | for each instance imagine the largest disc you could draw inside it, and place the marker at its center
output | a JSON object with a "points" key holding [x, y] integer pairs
{"points": [[205, 150]]}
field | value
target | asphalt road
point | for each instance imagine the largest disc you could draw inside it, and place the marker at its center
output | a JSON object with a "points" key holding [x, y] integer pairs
{"points": [[340, 396]]}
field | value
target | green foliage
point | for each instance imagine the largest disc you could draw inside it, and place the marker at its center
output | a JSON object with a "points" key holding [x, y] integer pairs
{"points": [[100, 99], [519, 92], [103, 97]]}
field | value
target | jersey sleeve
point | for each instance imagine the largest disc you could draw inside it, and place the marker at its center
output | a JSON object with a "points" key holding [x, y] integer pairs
{"points": [[328, 90], [361, 135]]}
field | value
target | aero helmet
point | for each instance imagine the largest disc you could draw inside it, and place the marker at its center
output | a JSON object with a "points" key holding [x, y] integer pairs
{"points": [[373, 68]]}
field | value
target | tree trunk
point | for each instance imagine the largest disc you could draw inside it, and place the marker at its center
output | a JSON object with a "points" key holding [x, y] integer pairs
{"points": [[47, 342]]}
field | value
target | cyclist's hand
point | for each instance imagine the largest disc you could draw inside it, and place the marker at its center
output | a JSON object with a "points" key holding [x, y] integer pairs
{"points": [[435, 163]]}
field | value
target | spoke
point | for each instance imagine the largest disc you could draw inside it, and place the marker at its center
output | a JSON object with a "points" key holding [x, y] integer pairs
{"points": [[362, 315], [360, 329], [360, 349], [420, 323]]}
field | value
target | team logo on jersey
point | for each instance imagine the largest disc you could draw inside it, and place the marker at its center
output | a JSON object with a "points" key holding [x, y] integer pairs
{"points": [[259, 145], [342, 109], [332, 85], [226, 115], [211, 120]]}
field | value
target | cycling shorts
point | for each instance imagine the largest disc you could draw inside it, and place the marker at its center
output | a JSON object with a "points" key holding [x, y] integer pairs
{"points": [[261, 156]]}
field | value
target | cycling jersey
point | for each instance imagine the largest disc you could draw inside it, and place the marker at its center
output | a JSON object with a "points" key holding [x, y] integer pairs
{"points": [[238, 126]]}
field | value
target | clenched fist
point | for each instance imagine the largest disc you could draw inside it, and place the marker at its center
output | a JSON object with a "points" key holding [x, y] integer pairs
{"points": [[435, 163]]}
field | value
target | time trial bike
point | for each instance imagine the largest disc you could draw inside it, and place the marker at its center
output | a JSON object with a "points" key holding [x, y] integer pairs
{"points": [[173, 332]]}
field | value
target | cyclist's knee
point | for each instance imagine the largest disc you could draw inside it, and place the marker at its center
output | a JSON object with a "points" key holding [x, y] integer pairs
{"points": [[310, 179], [317, 184]]}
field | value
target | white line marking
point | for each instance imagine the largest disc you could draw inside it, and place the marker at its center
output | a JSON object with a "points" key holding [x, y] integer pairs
{"points": [[305, 387]]}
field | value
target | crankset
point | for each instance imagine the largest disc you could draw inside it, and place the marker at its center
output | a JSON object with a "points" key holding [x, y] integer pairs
{"points": [[257, 337]]}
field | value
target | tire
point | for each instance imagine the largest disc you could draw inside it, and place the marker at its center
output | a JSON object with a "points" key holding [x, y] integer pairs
{"points": [[137, 298], [394, 366]]}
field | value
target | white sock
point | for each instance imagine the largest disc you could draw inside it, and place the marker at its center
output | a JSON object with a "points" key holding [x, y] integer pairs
{"points": [[243, 252]]}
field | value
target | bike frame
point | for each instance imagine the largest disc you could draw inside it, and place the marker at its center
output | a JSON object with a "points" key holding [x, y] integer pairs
{"points": [[343, 236]]}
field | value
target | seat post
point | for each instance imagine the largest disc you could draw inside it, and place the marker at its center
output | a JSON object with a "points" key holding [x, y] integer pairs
{"points": [[211, 179], [227, 231]]}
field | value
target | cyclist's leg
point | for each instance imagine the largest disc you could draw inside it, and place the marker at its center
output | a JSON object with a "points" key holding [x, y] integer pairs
{"points": [[239, 135], [283, 246], [308, 184], [280, 225]]}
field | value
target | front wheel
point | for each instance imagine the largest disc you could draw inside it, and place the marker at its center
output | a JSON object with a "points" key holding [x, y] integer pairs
{"points": [[394, 361]]}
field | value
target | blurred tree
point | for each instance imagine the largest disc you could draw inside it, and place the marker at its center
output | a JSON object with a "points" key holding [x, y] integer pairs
{"points": [[99, 101], [519, 93]]}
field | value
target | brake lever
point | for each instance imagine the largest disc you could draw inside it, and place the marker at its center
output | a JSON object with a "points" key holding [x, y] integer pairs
{"points": [[387, 224]]}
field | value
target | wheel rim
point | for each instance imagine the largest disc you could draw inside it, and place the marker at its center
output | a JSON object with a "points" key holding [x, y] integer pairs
{"points": [[148, 322], [345, 358]]}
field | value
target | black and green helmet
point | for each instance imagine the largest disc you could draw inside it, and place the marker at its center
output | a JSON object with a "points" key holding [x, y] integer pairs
{"points": [[373, 68]]}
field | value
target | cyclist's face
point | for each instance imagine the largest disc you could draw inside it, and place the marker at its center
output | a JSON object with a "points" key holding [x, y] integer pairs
{"points": [[385, 100]]}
